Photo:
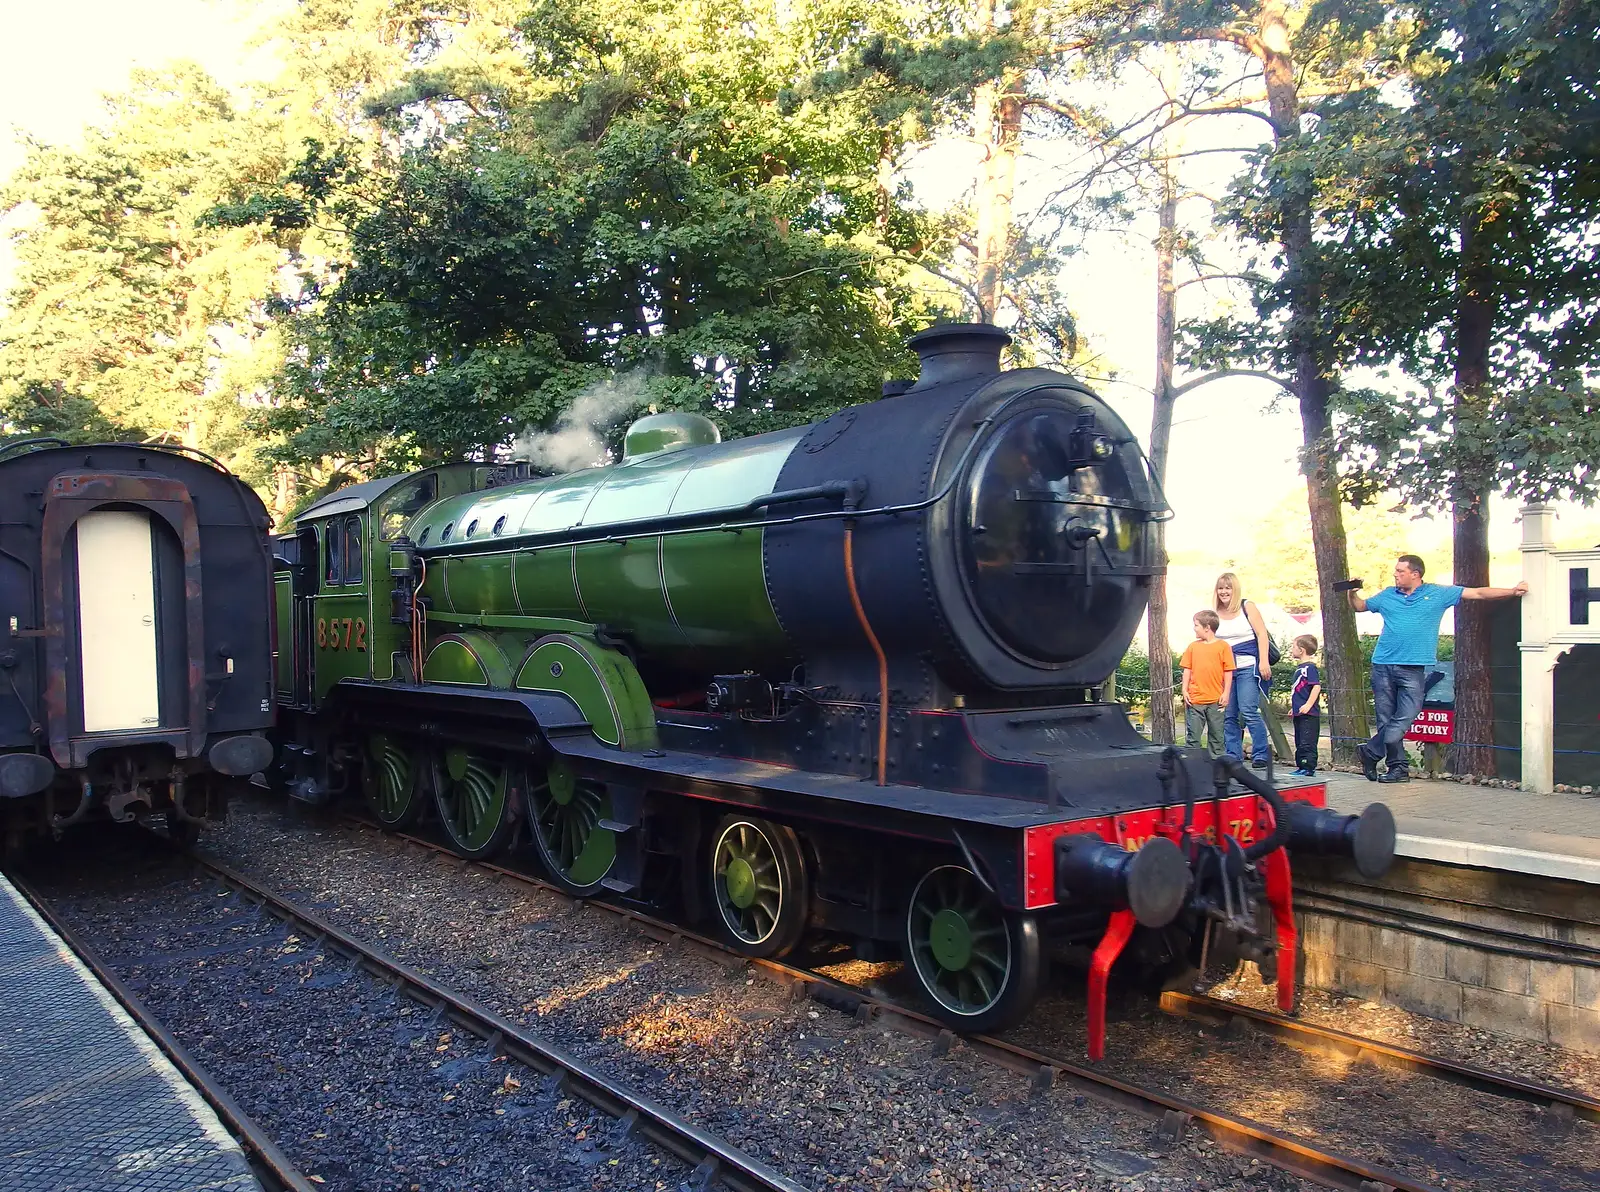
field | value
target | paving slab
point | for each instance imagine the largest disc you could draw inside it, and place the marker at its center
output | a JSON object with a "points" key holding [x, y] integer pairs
{"points": [[1556, 835], [87, 1102]]}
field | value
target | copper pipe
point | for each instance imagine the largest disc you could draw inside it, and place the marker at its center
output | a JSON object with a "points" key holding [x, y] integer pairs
{"points": [[872, 640]]}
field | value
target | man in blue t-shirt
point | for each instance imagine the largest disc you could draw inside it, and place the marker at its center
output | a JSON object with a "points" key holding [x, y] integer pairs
{"points": [[1407, 647]]}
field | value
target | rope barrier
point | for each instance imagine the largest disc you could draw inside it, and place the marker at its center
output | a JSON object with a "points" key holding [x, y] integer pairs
{"points": [[1125, 690]]}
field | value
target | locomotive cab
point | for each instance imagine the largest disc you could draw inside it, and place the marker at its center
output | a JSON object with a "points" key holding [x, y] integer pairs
{"points": [[333, 580]]}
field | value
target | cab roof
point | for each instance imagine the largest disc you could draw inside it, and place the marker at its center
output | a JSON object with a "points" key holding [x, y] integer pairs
{"points": [[351, 497]]}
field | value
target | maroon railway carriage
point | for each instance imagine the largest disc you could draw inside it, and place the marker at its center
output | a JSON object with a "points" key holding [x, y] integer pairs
{"points": [[135, 636]]}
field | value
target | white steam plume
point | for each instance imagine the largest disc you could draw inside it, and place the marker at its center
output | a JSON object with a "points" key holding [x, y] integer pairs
{"points": [[578, 440]]}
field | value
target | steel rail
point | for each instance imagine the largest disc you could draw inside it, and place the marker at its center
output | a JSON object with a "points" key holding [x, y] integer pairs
{"points": [[269, 1162], [1327, 1040], [713, 1158], [1239, 1135]]}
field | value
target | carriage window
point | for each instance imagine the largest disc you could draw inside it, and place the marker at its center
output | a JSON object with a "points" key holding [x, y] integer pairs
{"points": [[333, 553], [352, 549], [407, 500]]}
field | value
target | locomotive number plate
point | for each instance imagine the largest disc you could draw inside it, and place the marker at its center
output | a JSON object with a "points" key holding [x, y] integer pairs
{"points": [[1242, 830], [347, 634]]}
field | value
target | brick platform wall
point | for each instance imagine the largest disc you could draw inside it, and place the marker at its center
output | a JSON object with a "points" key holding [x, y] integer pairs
{"points": [[1550, 1000]]}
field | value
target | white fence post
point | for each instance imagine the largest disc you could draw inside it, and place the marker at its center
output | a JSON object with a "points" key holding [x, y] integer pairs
{"points": [[1556, 615], [1538, 669]]}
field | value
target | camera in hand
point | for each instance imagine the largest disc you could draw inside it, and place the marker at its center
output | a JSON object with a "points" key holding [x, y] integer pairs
{"points": [[1347, 585]]}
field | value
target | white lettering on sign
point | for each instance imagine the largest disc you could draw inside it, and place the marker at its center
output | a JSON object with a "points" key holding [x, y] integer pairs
{"points": [[1433, 724]]}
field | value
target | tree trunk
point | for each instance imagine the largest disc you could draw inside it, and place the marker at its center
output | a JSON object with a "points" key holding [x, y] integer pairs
{"points": [[1474, 728], [1342, 670], [884, 177], [1163, 730], [997, 123], [288, 492], [1344, 678]]}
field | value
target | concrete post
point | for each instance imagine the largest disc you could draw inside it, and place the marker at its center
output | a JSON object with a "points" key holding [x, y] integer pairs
{"points": [[1538, 667]]}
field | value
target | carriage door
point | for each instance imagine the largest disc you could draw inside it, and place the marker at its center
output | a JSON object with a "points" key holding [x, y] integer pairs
{"points": [[117, 622]]}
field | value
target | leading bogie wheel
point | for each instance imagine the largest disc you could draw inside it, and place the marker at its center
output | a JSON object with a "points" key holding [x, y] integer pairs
{"points": [[977, 963], [565, 812], [392, 782], [477, 799], [759, 885]]}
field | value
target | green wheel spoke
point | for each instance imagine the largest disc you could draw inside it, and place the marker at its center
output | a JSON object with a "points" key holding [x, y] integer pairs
{"points": [[984, 984], [958, 941], [473, 799], [567, 832], [388, 780], [748, 883]]}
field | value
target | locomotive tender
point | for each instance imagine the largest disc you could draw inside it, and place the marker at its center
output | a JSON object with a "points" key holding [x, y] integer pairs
{"points": [[135, 636], [841, 678]]}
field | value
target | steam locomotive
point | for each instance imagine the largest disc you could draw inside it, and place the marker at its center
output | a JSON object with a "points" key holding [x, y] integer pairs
{"points": [[135, 636], [841, 679]]}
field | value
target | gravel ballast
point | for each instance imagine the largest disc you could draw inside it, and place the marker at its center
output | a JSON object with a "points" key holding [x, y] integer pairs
{"points": [[828, 1102], [362, 1087]]}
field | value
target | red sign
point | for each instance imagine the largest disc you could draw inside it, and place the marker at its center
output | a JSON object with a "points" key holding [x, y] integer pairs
{"points": [[1433, 724]]}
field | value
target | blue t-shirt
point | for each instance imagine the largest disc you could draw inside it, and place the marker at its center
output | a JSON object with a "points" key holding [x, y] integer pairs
{"points": [[1306, 676], [1411, 623]]}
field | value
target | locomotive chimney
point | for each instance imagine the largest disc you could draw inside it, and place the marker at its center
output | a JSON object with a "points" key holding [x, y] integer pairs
{"points": [[957, 352]]}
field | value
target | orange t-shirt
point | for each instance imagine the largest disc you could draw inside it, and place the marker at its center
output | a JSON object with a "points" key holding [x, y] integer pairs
{"points": [[1208, 661]]}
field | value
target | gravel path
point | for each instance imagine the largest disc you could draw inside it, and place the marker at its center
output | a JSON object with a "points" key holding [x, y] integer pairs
{"points": [[830, 1103], [360, 1086]]}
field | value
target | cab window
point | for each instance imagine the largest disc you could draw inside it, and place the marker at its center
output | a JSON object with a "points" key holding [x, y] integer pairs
{"points": [[352, 549], [404, 503], [333, 553]]}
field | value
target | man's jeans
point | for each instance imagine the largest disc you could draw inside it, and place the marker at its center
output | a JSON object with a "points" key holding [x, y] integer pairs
{"points": [[1397, 698], [1244, 711], [1207, 718]]}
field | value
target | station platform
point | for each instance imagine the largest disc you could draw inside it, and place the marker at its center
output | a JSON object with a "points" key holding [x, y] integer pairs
{"points": [[87, 1101], [1549, 836]]}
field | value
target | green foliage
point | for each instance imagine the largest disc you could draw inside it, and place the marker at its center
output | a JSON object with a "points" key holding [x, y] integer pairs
{"points": [[1133, 676], [125, 318], [648, 206], [1454, 241], [1532, 438], [1282, 553]]}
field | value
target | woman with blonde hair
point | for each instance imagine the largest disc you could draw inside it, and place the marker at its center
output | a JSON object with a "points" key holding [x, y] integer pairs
{"points": [[1241, 626]]}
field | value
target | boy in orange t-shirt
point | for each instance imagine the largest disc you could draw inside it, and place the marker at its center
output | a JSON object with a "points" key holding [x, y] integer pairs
{"points": [[1207, 682]]}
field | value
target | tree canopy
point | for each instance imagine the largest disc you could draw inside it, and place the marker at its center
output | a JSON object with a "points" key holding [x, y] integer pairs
{"points": [[660, 203], [128, 317], [444, 223]]}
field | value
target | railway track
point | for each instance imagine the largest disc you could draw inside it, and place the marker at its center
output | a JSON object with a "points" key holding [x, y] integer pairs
{"points": [[1328, 1041], [274, 1170], [714, 1159], [1175, 1116]]}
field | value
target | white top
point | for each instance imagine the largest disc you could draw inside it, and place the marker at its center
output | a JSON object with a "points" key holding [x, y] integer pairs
{"points": [[1237, 631]]}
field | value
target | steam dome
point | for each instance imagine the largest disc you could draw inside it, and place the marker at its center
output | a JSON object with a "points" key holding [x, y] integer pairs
{"points": [[672, 431]]}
